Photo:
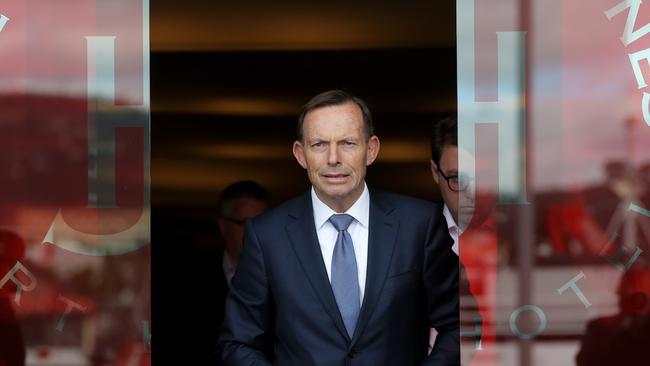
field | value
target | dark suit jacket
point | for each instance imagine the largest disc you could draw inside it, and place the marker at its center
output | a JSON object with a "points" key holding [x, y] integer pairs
{"points": [[209, 288], [281, 308], [615, 340], [12, 346]]}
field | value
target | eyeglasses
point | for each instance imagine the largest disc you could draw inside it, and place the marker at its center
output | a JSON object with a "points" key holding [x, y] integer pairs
{"points": [[457, 183]]}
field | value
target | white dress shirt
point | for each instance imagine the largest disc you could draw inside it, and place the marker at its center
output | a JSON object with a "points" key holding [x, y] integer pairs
{"points": [[454, 230], [228, 268], [358, 230]]}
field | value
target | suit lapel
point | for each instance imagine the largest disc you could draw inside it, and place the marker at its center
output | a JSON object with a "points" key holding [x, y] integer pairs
{"points": [[302, 234], [381, 242]]}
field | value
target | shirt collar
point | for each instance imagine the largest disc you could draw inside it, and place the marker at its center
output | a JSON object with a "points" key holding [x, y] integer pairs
{"points": [[451, 223], [228, 267], [360, 210]]}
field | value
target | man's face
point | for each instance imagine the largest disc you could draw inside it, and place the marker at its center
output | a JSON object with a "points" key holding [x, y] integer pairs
{"points": [[461, 204], [335, 153], [232, 226]]}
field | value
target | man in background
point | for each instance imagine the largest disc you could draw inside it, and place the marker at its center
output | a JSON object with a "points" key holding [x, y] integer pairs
{"points": [[239, 202], [478, 262], [456, 188], [213, 270]]}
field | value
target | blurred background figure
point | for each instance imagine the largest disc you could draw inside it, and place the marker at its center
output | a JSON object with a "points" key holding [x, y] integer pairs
{"points": [[624, 184], [239, 202], [12, 346], [579, 224], [212, 271], [621, 339]]}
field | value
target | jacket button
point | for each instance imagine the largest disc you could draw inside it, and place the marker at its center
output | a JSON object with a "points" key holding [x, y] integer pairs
{"points": [[352, 352]]}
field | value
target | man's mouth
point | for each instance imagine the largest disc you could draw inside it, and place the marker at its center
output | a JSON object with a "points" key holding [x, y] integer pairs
{"points": [[335, 178]]}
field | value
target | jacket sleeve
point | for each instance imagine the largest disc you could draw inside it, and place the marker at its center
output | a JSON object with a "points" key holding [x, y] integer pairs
{"points": [[245, 335], [441, 272]]}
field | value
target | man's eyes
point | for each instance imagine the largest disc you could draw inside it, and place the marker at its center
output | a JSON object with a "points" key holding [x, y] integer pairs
{"points": [[322, 143]]}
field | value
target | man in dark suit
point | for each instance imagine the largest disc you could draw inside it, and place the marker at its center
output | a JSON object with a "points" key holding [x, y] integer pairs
{"points": [[215, 266], [342, 275], [458, 194], [239, 202]]}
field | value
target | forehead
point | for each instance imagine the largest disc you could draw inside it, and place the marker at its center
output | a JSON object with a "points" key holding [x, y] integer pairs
{"points": [[247, 206], [449, 157], [334, 120]]}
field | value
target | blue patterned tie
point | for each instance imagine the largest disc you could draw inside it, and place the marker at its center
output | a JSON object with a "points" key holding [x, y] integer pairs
{"points": [[345, 282]]}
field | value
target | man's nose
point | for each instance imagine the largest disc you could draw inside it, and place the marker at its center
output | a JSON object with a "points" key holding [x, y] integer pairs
{"points": [[333, 155], [470, 192]]}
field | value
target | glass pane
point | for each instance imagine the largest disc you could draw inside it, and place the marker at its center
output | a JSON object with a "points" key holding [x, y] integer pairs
{"points": [[553, 120], [74, 214]]}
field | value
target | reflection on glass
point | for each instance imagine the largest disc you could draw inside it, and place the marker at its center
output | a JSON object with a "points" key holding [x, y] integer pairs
{"points": [[560, 277], [74, 243]]}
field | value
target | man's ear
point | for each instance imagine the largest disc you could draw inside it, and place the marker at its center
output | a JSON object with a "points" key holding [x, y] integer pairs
{"points": [[373, 149], [299, 154], [434, 172]]}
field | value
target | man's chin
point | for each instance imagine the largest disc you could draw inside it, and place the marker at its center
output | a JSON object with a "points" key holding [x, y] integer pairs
{"points": [[465, 216], [337, 193], [468, 211]]}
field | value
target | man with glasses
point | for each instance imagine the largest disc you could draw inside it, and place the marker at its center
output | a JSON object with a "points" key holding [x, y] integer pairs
{"points": [[456, 188], [478, 262], [212, 270], [239, 202]]}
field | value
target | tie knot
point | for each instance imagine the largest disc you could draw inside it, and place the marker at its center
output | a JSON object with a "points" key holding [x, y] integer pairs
{"points": [[341, 221]]}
